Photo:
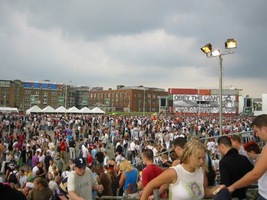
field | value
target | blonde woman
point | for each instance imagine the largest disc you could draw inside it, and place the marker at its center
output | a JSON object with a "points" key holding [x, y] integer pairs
{"points": [[129, 177], [187, 180]]}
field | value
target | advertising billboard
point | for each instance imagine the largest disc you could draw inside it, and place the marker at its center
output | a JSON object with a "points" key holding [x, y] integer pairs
{"points": [[194, 103]]}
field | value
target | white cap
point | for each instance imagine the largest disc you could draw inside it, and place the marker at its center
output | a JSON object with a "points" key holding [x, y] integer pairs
{"points": [[29, 185]]}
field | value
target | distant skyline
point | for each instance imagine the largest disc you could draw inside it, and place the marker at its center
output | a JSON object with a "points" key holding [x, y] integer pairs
{"points": [[151, 43]]}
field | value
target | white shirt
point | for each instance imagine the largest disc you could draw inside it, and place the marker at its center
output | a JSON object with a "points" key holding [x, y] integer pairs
{"points": [[132, 146], [189, 185], [106, 159], [65, 173], [82, 185], [263, 181], [34, 170], [23, 180], [53, 186]]}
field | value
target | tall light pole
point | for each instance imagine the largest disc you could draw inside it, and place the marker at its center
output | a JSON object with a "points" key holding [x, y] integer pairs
{"points": [[5, 98], [66, 97], [207, 49], [144, 104]]}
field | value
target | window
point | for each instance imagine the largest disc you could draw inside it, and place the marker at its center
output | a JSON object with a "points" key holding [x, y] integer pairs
{"points": [[27, 92]]}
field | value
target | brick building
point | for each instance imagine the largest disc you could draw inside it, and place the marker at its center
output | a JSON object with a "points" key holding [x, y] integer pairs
{"points": [[25, 94], [127, 99]]}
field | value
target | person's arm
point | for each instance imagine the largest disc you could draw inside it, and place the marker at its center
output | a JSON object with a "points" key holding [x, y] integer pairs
{"points": [[29, 196], [252, 176], [166, 177], [122, 179], [63, 197], [209, 191]]}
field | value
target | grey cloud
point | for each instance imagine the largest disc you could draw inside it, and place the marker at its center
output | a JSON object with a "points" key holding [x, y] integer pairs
{"points": [[128, 42]]}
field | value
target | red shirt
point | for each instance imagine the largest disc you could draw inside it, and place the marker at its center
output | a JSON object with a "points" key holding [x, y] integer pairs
{"points": [[63, 146], [150, 172], [90, 160]]}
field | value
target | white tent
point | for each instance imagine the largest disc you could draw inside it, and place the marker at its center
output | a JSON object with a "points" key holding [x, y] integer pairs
{"points": [[48, 109], [61, 109], [85, 110], [73, 110], [34, 109], [8, 110], [97, 110]]}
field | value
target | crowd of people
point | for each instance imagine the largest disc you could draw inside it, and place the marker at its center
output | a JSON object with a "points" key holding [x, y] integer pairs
{"points": [[84, 156]]}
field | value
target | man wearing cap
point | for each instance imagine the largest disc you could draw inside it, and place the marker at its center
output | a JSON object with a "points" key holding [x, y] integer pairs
{"points": [[81, 181]]}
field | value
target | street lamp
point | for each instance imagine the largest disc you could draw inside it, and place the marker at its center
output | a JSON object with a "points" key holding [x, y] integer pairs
{"points": [[207, 49], [144, 100], [66, 96], [144, 104]]}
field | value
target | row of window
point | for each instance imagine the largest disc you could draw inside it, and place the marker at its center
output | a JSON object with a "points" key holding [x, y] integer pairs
{"points": [[4, 83], [116, 95], [31, 92]]}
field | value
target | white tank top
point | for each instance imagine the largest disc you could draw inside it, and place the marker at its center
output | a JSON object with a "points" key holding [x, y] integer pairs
{"points": [[262, 182], [188, 186]]}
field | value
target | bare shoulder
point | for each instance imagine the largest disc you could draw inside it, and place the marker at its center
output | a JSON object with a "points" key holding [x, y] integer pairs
{"points": [[261, 164], [175, 162]]}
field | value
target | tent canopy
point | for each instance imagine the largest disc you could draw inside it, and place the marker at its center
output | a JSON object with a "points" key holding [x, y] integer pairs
{"points": [[61, 109], [85, 110], [49, 109], [34, 109], [73, 110], [8, 110], [97, 110]]}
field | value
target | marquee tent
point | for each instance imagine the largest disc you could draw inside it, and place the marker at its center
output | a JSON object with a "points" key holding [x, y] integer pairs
{"points": [[73, 110], [34, 109], [85, 110], [8, 110], [97, 110], [61, 109], [49, 109]]}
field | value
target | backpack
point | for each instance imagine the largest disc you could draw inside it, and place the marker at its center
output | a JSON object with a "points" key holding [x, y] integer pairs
{"points": [[13, 178]]}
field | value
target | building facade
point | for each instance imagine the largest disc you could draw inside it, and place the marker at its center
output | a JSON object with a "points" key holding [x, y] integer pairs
{"points": [[81, 96], [25, 94], [11, 93], [127, 99]]}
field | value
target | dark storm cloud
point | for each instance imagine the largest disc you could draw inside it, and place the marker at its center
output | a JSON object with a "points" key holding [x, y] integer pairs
{"points": [[154, 43]]}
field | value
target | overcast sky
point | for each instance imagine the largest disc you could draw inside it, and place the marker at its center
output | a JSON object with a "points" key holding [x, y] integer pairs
{"points": [[155, 43]]}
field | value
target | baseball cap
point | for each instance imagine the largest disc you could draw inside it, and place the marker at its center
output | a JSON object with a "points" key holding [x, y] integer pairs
{"points": [[80, 162], [29, 185]]}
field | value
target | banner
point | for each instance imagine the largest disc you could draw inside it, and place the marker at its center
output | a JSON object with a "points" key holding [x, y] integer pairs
{"points": [[204, 103]]}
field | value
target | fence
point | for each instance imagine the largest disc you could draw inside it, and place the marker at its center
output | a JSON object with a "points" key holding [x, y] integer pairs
{"points": [[251, 194]]}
